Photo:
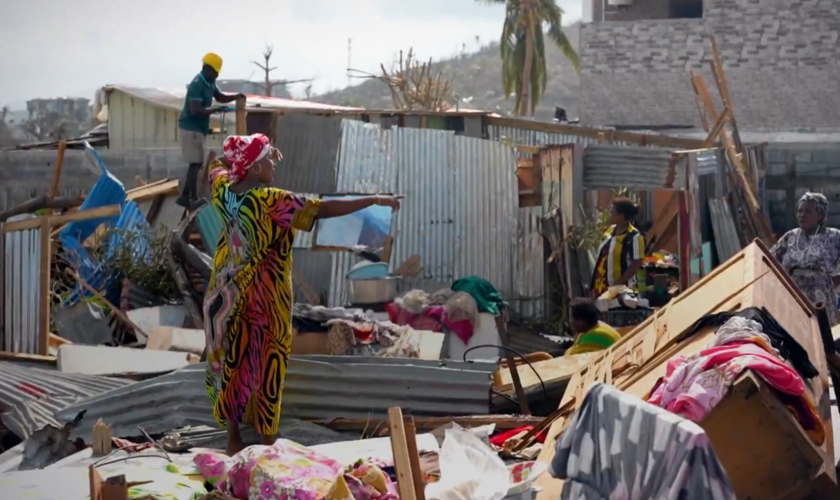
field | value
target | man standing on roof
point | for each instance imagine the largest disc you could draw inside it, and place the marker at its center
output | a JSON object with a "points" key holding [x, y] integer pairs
{"points": [[194, 123]]}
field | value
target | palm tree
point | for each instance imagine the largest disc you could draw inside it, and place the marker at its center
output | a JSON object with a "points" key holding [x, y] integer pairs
{"points": [[523, 48]]}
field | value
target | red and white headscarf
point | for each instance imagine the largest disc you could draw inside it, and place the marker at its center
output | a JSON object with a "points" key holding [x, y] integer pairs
{"points": [[243, 151]]}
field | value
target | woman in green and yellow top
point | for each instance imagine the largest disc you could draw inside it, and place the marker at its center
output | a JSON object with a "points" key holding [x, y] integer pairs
{"points": [[620, 255], [592, 334]]}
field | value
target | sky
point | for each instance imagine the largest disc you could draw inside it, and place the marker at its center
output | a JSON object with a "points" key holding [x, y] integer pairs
{"points": [[69, 49]]}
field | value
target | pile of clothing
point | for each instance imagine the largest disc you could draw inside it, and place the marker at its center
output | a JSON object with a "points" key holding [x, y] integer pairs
{"points": [[287, 470], [454, 309], [747, 340]]}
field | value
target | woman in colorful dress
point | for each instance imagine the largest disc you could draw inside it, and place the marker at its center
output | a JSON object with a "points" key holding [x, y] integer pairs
{"points": [[810, 253], [621, 253], [247, 307]]}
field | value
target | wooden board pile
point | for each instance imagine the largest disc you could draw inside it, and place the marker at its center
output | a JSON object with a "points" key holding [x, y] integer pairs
{"points": [[760, 444]]}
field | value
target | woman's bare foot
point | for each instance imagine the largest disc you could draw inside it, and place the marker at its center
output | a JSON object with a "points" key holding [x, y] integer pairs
{"points": [[268, 440], [234, 446], [235, 443]]}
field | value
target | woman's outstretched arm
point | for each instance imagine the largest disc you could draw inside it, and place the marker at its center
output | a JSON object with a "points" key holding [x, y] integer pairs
{"points": [[338, 207]]}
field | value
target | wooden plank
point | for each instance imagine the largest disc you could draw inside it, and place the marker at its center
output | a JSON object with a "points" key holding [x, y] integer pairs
{"points": [[551, 371], [241, 124], [723, 88], [55, 220], [44, 288], [402, 458], [163, 188], [715, 132], [612, 135], [59, 162], [414, 457]]}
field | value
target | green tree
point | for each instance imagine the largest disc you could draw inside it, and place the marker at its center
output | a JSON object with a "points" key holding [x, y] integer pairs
{"points": [[527, 22]]}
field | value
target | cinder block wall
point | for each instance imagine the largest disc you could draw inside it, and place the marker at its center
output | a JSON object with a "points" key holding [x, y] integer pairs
{"points": [[781, 58], [816, 159], [25, 174]]}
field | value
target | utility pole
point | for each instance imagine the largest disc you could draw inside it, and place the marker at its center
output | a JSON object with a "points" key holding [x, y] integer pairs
{"points": [[349, 52]]}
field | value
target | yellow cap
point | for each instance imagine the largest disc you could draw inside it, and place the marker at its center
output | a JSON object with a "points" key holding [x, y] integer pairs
{"points": [[214, 61]]}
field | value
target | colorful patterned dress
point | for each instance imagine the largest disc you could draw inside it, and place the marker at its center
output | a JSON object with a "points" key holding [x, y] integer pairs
{"points": [[247, 307]]}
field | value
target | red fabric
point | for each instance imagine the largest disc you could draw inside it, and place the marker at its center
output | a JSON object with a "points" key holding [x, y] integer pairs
{"points": [[500, 439], [431, 320], [242, 151], [693, 386], [463, 329], [400, 316]]}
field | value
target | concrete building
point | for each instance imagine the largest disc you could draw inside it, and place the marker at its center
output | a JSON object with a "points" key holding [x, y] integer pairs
{"points": [[781, 58]]}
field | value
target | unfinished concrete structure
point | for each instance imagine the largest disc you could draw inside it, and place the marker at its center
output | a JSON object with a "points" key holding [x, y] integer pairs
{"points": [[781, 57]]}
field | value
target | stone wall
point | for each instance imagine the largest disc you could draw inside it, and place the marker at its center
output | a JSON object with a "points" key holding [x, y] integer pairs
{"points": [[780, 58]]}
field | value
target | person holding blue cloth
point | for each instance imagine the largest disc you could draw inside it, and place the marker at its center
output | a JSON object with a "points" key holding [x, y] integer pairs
{"points": [[194, 124]]}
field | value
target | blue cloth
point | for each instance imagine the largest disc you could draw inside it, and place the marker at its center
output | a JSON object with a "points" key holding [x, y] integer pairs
{"points": [[203, 91]]}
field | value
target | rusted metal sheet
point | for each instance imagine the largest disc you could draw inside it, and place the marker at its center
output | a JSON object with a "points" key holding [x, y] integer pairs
{"points": [[22, 264], [460, 210], [608, 167]]}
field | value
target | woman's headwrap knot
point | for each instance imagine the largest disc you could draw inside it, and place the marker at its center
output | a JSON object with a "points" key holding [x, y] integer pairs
{"points": [[817, 200], [243, 151]]}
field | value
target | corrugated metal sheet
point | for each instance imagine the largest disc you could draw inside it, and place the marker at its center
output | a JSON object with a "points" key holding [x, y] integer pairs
{"points": [[459, 214], [727, 242], [107, 191], [21, 291], [168, 217], [148, 118], [708, 161], [310, 148], [209, 225], [315, 387], [529, 265], [33, 396], [609, 167], [529, 137]]}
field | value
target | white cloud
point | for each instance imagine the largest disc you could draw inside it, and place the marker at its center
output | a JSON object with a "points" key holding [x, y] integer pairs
{"points": [[63, 48]]}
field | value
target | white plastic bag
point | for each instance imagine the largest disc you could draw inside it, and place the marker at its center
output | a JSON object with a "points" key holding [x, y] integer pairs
{"points": [[469, 470]]}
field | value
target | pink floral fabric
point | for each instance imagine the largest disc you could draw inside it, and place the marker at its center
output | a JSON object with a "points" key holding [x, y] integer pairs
{"points": [[693, 386], [289, 471]]}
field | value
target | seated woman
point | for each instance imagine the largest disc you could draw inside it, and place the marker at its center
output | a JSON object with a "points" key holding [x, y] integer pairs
{"points": [[592, 333]]}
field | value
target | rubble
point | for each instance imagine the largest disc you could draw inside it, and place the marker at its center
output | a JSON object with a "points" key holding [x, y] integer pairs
{"points": [[102, 389]]}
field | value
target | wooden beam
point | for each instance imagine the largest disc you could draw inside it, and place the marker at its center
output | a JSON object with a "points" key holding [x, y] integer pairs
{"points": [[241, 124], [402, 458], [741, 172], [414, 458], [162, 188], [612, 135], [59, 162], [44, 288], [717, 129], [55, 220], [723, 88]]}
